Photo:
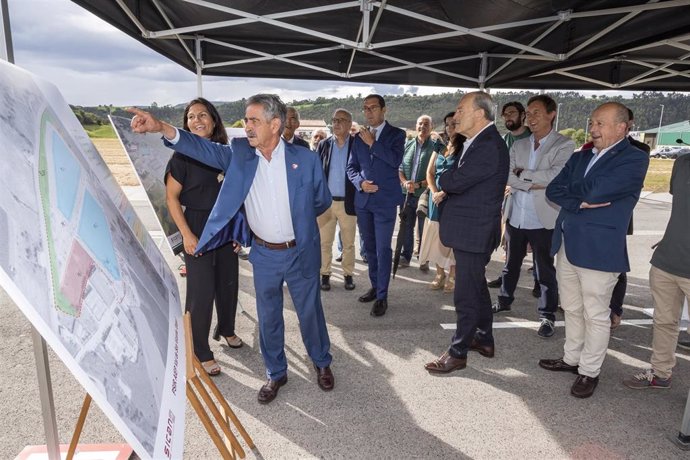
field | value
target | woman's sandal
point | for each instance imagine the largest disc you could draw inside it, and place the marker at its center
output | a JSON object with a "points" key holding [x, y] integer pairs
{"points": [[234, 342], [211, 367], [437, 283], [450, 284]]}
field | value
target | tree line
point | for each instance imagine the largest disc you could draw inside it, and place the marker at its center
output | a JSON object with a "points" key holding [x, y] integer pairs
{"points": [[403, 110]]}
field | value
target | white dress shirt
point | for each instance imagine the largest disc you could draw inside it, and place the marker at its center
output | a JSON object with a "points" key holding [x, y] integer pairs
{"points": [[378, 129], [268, 203], [523, 212], [468, 142]]}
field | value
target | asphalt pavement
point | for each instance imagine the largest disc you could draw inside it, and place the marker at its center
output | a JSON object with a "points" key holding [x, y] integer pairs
{"points": [[385, 405]]}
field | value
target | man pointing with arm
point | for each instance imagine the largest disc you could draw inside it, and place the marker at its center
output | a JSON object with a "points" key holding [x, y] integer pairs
{"points": [[282, 189]]}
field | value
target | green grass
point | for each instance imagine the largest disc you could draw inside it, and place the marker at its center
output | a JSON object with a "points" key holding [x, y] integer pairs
{"points": [[658, 175], [100, 131]]}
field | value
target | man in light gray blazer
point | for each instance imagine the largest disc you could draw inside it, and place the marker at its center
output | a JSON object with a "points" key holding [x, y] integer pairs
{"points": [[534, 162]]}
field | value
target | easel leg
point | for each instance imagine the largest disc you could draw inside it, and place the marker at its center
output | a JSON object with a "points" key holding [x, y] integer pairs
{"points": [[208, 424], [195, 375], [80, 426]]}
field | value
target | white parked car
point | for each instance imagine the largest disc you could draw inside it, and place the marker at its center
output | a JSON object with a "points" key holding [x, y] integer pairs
{"points": [[664, 152]]}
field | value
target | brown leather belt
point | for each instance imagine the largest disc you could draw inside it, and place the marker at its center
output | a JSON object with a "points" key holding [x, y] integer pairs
{"points": [[276, 246]]}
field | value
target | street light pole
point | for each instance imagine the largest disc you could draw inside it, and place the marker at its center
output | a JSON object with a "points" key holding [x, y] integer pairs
{"points": [[658, 133]]}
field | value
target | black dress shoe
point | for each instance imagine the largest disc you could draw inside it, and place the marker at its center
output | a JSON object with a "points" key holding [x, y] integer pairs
{"points": [[324, 378], [369, 296], [325, 283], [269, 391], [379, 308], [339, 258], [499, 306], [584, 386], [349, 284], [557, 365], [495, 283], [484, 350], [445, 363], [536, 290]]}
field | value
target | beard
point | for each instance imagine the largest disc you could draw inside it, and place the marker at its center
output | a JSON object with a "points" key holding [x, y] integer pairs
{"points": [[512, 125]]}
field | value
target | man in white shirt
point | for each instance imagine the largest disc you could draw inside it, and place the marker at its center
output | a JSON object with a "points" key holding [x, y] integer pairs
{"points": [[282, 189], [534, 162]]}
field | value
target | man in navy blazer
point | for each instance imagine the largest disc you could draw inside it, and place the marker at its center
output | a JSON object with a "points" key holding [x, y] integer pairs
{"points": [[281, 189], [470, 223], [376, 155], [597, 191]]}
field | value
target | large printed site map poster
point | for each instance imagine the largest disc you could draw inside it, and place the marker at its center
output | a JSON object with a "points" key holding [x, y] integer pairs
{"points": [[79, 264]]}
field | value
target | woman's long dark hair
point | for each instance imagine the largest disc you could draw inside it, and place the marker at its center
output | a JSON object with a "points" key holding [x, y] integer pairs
{"points": [[219, 134], [457, 139]]}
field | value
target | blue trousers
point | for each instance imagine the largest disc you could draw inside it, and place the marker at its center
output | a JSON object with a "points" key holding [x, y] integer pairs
{"points": [[271, 268], [376, 229]]}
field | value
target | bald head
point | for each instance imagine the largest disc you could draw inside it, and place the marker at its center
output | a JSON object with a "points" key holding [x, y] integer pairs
{"points": [[609, 124], [424, 127]]}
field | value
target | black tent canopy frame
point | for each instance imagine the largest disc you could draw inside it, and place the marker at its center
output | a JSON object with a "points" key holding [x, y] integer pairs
{"points": [[482, 44]]}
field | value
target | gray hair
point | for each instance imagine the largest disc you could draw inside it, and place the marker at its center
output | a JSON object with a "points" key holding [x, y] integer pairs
{"points": [[349, 114], [431, 122], [484, 101], [273, 107]]}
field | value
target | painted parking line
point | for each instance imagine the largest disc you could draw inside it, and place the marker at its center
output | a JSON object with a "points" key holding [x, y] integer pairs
{"points": [[536, 324]]}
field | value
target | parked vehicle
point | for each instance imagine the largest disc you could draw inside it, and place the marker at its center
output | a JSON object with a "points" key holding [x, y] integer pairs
{"points": [[663, 152], [680, 152]]}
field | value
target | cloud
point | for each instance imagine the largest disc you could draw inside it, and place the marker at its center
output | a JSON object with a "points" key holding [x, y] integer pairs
{"points": [[93, 63]]}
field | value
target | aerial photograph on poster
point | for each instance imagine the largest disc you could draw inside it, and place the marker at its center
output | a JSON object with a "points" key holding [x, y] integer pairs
{"points": [[79, 264]]}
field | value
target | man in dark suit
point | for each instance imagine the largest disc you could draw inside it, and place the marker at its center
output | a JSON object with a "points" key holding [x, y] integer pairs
{"points": [[282, 190], [291, 125], [471, 224], [334, 152], [597, 191], [376, 155]]}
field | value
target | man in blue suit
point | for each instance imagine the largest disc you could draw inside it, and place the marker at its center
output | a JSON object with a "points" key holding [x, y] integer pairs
{"points": [[281, 188], [597, 191], [376, 155], [471, 224]]}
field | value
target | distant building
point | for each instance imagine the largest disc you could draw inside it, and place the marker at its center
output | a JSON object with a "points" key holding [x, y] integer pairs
{"points": [[668, 136], [307, 128]]}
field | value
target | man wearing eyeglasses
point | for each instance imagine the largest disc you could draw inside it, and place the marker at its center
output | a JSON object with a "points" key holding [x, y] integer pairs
{"points": [[334, 152], [377, 152]]}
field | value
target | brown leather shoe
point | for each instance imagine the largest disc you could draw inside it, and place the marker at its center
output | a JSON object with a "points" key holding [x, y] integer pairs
{"points": [[324, 377], [557, 365], [584, 386], [445, 363], [269, 391], [484, 350]]}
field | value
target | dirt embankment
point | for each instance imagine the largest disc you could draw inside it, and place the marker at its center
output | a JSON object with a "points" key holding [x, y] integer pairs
{"points": [[115, 157]]}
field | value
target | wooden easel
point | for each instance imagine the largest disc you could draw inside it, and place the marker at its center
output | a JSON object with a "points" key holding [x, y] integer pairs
{"points": [[197, 383], [196, 378]]}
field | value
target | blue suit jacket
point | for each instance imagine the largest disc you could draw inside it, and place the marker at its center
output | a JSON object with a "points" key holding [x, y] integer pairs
{"points": [[308, 190], [595, 238], [471, 214], [379, 164]]}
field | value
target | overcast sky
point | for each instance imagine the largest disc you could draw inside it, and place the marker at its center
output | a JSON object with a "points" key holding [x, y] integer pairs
{"points": [[93, 63]]}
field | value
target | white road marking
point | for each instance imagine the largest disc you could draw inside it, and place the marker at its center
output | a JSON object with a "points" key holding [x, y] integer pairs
{"points": [[536, 324]]}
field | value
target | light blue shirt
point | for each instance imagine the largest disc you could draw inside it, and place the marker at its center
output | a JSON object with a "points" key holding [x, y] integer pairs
{"points": [[598, 155], [336, 168]]}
